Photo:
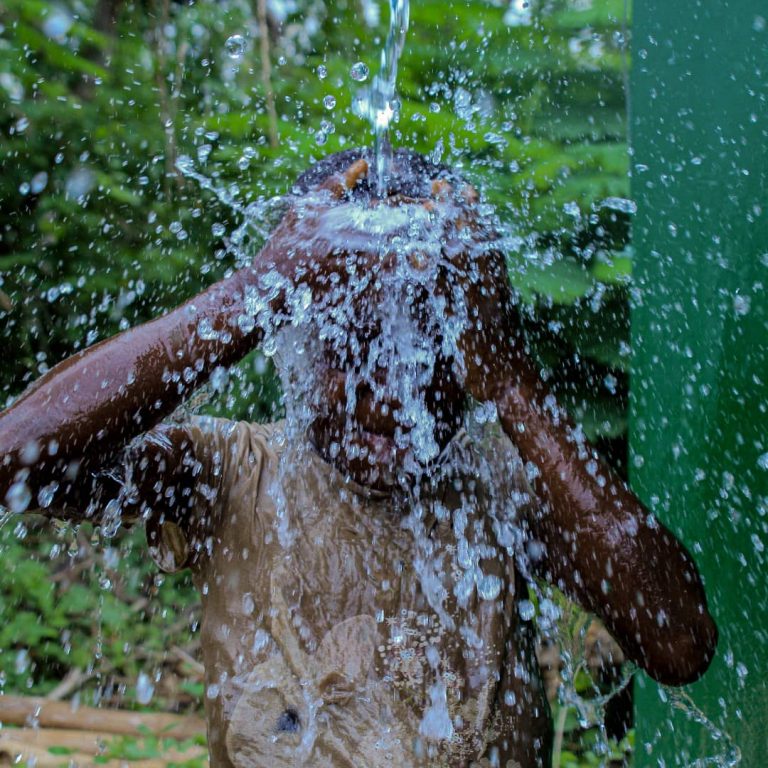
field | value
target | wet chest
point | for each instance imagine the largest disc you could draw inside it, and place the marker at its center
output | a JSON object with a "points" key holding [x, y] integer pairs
{"points": [[426, 597], [341, 569]]}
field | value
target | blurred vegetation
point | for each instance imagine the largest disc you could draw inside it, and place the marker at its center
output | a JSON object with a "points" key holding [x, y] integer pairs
{"points": [[100, 98]]}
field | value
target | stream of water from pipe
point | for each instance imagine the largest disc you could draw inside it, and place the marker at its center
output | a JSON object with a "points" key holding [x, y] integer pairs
{"points": [[378, 102]]}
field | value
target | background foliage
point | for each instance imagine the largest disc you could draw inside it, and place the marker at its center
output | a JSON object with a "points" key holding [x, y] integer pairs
{"points": [[99, 99]]}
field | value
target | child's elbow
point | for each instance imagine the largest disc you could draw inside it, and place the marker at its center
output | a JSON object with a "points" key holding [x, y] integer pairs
{"points": [[682, 654]]}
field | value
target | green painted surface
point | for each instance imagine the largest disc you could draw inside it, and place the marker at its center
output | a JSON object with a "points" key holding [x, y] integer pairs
{"points": [[699, 424]]}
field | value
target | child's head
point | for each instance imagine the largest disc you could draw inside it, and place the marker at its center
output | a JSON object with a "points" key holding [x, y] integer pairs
{"points": [[371, 361]]}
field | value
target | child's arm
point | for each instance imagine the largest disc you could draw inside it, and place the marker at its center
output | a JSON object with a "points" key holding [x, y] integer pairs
{"points": [[75, 419], [600, 544], [603, 547]]}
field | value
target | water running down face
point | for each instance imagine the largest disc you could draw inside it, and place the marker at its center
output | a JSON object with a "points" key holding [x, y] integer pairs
{"points": [[371, 358]]}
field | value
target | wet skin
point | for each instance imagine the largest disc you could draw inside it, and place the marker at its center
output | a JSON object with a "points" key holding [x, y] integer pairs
{"points": [[597, 541]]}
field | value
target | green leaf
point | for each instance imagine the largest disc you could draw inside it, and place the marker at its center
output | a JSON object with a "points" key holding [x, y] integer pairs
{"points": [[564, 281], [61, 750], [615, 269], [58, 55]]}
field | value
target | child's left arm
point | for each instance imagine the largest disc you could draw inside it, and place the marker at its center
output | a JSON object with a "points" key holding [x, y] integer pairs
{"points": [[604, 548], [597, 542]]}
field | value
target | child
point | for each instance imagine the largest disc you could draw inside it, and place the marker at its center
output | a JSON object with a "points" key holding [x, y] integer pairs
{"points": [[363, 565]]}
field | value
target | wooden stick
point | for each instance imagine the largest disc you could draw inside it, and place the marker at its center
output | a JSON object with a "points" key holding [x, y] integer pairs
{"points": [[20, 710], [184, 657], [82, 742], [88, 742], [14, 753]]}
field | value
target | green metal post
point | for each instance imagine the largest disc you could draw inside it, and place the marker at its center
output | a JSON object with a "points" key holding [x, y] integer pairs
{"points": [[699, 425]]}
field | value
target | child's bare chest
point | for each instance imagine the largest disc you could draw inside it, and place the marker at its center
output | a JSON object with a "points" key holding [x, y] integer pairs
{"points": [[355, 635], [342, 618]]}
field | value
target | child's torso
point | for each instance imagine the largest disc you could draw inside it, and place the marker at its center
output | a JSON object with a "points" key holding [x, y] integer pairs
{"points": [[341, 630]]}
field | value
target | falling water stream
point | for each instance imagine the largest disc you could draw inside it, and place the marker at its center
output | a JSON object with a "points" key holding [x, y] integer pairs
{"points": [[378, 102]]}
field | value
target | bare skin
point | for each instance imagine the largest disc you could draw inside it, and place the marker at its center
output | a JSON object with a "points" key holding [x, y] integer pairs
{"points": [[596, 541]]}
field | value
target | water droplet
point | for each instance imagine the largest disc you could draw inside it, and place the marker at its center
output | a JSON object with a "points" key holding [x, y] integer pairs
{"points": [[436, 724], [46, 494], [18, 497], [359, 72], [329, 102], [203, 152], [218, 229], [206, 331], [21, 662], [489, 587], [322, 71], [762, 461], [219, 378], [39, 182], [111, 557], [527, 610], [57, 23], [260, 640], [235, 46], [79, 183], [144, 689], [112, 518], [741, 304], [518, 14], [621, 204], [30, 453], [572, 209]]}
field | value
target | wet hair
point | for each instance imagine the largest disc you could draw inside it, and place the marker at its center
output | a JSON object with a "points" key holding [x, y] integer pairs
{"points": [[412, 173]]}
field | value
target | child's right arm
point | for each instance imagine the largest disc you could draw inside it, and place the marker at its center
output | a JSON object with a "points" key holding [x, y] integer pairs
{"points": [[75, 420]]}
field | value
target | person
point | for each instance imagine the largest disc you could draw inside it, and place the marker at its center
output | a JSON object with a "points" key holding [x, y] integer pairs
{"points": [[362, 565]]}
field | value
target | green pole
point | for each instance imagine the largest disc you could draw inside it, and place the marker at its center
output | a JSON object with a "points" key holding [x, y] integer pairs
{"points": [[699, 400]]}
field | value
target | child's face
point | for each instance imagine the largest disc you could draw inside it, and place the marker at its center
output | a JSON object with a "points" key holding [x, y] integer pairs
{"points": [[390, 400], [371, 358]]}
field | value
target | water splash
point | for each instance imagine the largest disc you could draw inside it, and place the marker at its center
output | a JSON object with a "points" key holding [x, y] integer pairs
{"points": [[257, 218], [730, 754]]}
